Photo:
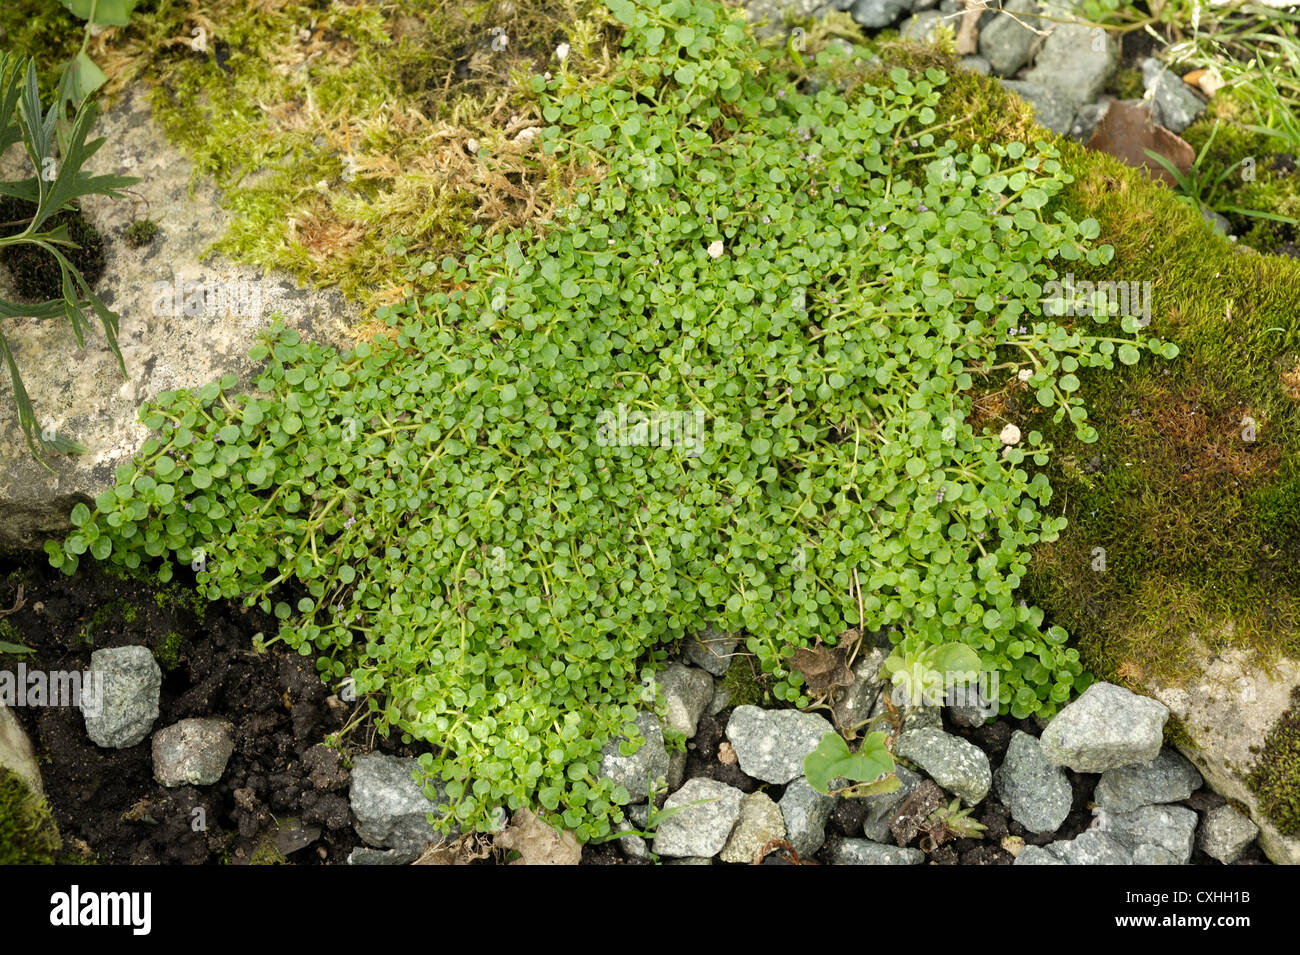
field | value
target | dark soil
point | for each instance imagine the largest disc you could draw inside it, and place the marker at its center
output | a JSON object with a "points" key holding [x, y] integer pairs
{"points": [[106, 802], [36, 273]]}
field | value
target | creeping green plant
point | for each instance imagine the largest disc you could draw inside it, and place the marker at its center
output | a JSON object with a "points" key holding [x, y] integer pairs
{"points": [[730, 384]]}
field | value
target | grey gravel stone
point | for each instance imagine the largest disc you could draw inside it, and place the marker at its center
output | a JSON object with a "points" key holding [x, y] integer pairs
{"points": [[192, 752], [1220, 222], [635, 847], [1171, 827], [720, 700], [760, 822], [1225, 834], [698, 830], [648, 766], [1036, 791], [956, 765], [690, 860], [1155, 855], [1036, 855], [1170, 777], [1052, 108], [878, 13], [856, 703], [920, 27], [123, 710], [865, 852], [687, 691], [1093, 848], [676, 770], [1175, 106], [363, 855], [966, 706], [1004, 42], [391, 807], [1086, 120], [1105, 728], [881, 808], [1075, 61], [805, 812], [771, 744], [976, 64], [711, 650]]}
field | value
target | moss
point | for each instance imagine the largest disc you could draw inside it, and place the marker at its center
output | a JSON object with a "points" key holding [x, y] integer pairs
{"points": [[266, 853], [1128, 84], [744, 685], [168, 651], [28, 835], [1176, 734], [1195, 521], [1275, 779], [141, 232]]}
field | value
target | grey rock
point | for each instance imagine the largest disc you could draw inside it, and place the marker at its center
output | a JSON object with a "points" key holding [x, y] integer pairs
{"points": [[635, 847], [1036, 855], [711, 650], [1175, 106], [1220, 222], [918, 5], [390, 805], [760, 822], [914, 717], [676, 770], [976, 64], [1086, 120], [192, 752], [857, 702], [1093, 848], [83, 390], [1005, 42], [121, 703], [690, 860], [363, 855], [16, 753], [865, 852], [1225, 834], [920, 27], [881, 808], [875, 14], [687, 691], [956, 765], [645, 768], [966, 706], [1105, 728], [1036, 791], [805, 812], [1074, 63], [720, 700], [1171, 827], [1052, 108], [771, 744], [698, 830], [1155, 855], [1167, 778]]}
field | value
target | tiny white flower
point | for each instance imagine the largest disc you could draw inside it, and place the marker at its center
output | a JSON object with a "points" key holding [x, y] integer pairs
{"points": [[715, 248], [562, 51], [1010, 435]]}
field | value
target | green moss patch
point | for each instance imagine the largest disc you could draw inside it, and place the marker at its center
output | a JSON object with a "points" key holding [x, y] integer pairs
{"points": [[28, 835], [1275, 780]]}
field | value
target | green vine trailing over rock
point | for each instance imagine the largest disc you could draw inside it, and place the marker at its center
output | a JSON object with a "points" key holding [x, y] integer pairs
{"points": [[731, 385]]}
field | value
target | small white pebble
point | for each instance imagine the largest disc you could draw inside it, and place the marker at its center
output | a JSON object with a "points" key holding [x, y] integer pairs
{"points": [[1024, 374], [715, 248], [1010, 435], [562, 51]]}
